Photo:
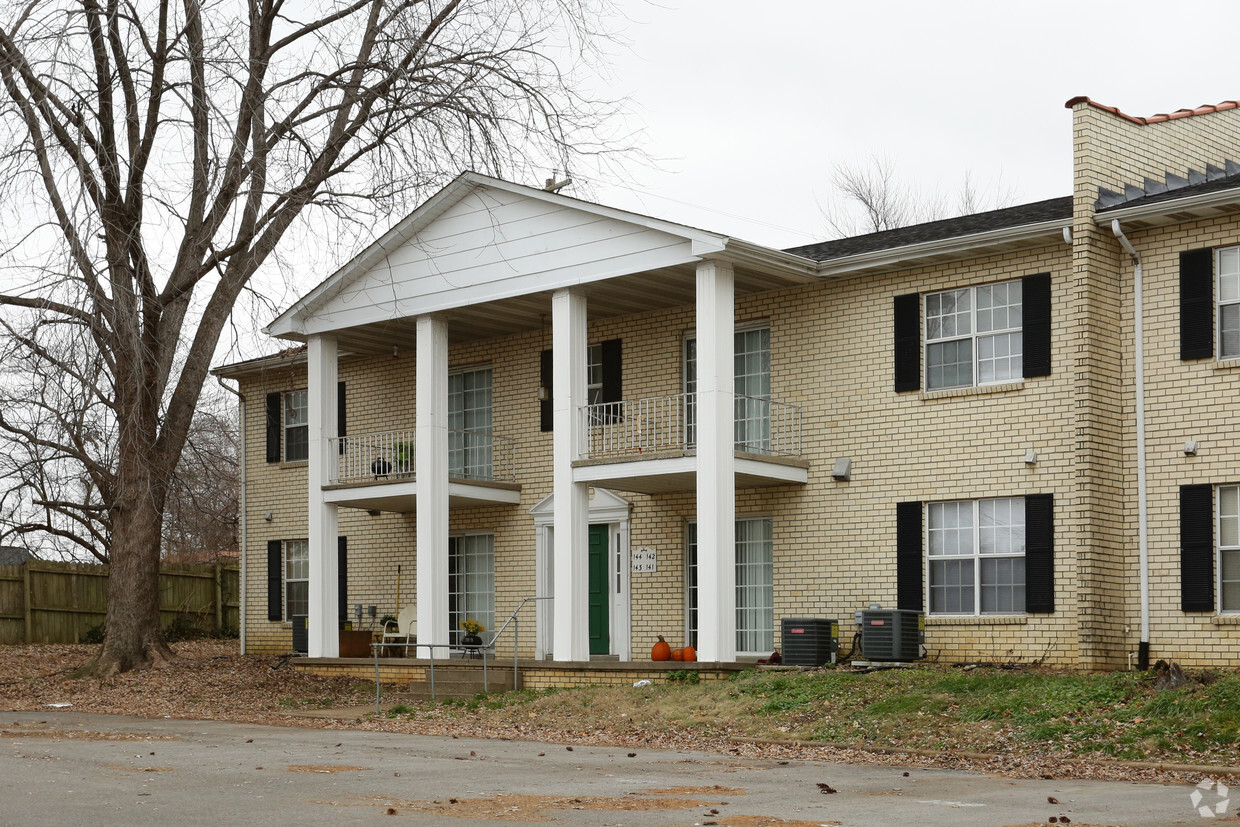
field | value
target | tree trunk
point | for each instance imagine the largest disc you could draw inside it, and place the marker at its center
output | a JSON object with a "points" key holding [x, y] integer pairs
{"points": [[133, 637]]}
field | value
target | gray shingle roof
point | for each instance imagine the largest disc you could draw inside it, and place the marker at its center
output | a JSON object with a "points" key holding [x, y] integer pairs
{"points": [[1049, 210], [1217, 185]]}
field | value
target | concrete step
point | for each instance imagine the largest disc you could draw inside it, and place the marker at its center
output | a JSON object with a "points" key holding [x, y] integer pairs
{"points": [[460, 682]]}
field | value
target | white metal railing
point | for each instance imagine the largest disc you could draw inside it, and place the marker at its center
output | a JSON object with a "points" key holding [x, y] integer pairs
{"points": [[661, 423], [388, 455], [379, 455]]}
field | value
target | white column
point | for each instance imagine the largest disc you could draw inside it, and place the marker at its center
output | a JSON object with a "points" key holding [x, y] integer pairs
{"points": [[571, 561], [431, 466], [716, 463], [324, 638]]}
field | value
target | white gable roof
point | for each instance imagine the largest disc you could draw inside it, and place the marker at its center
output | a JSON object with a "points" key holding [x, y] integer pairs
{"points": [[481, 239]]}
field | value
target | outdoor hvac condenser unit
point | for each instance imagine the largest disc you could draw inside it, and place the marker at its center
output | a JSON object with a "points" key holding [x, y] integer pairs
{"points": [[809, 641], [301, 634], [891, 634]]}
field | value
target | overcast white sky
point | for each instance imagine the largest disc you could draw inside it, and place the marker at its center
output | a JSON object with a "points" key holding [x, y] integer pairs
{"points": [[750, 105]]}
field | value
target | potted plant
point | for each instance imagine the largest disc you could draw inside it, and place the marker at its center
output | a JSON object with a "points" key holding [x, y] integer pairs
{"points": [[473, 630]]}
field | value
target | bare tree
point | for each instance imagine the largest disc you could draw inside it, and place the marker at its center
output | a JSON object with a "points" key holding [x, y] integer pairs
{"points": [[154, 155], [871, 198], [200, 518]]}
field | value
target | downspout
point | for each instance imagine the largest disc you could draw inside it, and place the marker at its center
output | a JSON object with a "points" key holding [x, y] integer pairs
{"points": [[240, 504], [1143, 648]]}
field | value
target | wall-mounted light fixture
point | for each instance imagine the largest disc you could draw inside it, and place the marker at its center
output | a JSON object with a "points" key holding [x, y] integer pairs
{"points": [[842, 470], [1190, 448], [1031, 457], [374, 512], [268, 516]]}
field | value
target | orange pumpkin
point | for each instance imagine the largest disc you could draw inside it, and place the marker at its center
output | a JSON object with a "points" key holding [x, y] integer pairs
{"points": [[678, 654], [661, 650], [689, 653]]}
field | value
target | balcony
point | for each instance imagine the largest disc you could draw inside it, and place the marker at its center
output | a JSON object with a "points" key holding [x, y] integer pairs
{"points": [[649, 445], [377, 470]]}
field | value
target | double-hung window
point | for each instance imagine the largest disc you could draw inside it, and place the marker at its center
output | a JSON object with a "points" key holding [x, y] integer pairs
{"points": [[755, 591], [974, 336], [752, 386], [1228, 292], [296, 578], [471, 583], [1229, 548], [469, 424], [976, 559], [296, 426]]}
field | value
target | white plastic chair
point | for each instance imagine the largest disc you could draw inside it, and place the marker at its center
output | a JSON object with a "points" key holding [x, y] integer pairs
{"points": [[404, 630]]}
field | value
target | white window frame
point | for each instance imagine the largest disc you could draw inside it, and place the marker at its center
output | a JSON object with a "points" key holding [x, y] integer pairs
{"points": [[769, 588], [303, 547], [973, 336], [752, 413], [470, 450], [455, 616], [1230, 549], [1226, 295], [594, 374], [975, 557], [286, 427]]}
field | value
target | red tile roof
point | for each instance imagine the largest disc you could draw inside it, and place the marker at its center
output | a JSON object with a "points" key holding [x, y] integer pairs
{"points": [[1179, 113]]}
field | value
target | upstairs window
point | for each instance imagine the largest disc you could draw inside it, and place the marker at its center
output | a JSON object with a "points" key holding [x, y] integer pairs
{"points": [[296, 426], [974, 336], [1228, 292], [469, 424]]}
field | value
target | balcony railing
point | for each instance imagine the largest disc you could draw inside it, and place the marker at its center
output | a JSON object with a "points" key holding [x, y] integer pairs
{"points": [[389, 455], [662, 423]]}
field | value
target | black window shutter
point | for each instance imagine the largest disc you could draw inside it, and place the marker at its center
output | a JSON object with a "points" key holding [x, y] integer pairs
{"points": [[612, 388], [342, 572], [1197, 304], [275, 579], [908, 342], [546, 415], [273, 427], [1040, 553], [1196, 548], [1036, 298], [341, 421], [909, 566]]}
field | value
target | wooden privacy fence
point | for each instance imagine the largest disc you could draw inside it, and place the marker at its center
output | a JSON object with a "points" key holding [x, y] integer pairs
{"points": [[50, 602]]}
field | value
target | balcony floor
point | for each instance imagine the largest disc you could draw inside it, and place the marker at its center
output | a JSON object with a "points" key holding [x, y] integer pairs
{"points": [[400, 494], [673, 471]]}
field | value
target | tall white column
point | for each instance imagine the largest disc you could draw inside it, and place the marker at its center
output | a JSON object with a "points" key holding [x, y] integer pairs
{"points": [[716, 462], [431, 467], [571, 636], [324, 585]]}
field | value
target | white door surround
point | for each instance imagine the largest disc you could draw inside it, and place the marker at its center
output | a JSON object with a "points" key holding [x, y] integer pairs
{"points": [[605, 508]]}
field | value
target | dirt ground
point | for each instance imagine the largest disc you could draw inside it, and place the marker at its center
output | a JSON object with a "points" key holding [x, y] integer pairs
{"points": [[209, 680]]}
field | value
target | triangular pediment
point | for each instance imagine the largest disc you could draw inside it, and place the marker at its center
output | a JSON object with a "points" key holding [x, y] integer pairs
{"points": [[605, 507], [482, 239]]}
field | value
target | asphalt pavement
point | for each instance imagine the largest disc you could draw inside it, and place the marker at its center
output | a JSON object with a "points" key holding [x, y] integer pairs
{"points": [[61, 767]]}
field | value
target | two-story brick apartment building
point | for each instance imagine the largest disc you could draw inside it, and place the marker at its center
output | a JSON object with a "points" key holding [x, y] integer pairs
{"points": [[1023, 422]]}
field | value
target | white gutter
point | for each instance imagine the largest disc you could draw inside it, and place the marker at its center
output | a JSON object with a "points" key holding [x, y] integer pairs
{"points": [[1143, 655], [240, 505]]}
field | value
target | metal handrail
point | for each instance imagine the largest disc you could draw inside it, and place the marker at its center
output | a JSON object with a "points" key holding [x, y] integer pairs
{"points": [[451, 647], [516, 636]]}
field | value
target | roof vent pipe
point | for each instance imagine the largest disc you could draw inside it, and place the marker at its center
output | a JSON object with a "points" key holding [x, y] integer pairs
{"points": [[1143, 649]]}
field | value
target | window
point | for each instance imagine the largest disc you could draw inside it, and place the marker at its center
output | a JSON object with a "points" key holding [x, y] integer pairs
{"points": [[752, 360], [977, 557], [1228, 292], [296, 427], [974, 336], [594, 374], [755, 591], [1229, 548], [296, 578], [471, 583], [469, 424]]}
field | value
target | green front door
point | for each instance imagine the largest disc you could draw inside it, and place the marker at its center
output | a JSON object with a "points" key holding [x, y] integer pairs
{"points": [[600, 632]]}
